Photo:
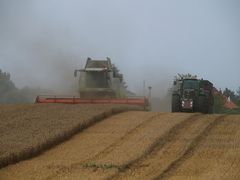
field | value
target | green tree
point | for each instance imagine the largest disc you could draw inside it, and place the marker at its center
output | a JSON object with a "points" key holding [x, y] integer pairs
{"points": [[6, 84], [238, 97], [229, 93], [238, 92], [9, 93], [218, 104]]}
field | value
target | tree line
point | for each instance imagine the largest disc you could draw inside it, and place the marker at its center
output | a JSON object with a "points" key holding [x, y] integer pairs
{"points": [[234, 96], [10, 94]]}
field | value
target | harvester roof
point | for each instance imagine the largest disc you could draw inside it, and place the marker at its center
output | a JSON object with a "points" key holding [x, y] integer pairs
{"points": [[98, 64]]}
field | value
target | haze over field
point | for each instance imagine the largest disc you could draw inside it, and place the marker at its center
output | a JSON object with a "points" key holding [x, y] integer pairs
{"points": [[42, 42]]}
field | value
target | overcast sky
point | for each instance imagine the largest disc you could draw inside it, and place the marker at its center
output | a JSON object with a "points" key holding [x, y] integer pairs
{"points": [[43, 41]]}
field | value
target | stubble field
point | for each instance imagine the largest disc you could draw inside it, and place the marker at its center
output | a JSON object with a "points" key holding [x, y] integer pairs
{"points": [[141, 145], [27, 130]]}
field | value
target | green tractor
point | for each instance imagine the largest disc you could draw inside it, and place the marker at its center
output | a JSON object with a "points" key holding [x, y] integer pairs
{"points": [[190, 94]]}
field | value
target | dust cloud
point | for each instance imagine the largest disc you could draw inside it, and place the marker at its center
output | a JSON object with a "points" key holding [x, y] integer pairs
{"points": [[35, 52], [43, 42], [41, 48]]}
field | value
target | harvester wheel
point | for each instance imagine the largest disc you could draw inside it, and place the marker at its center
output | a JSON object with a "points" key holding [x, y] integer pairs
{"points": [[175, 103]]}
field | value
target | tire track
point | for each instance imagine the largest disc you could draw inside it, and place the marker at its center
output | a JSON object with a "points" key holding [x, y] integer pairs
{"points": [[173, 166], [158, 143], [81, 147], [230, 161], [131, 132], [147, 118], [137, 145], [217, 156], [120, 141], [122, 153]]}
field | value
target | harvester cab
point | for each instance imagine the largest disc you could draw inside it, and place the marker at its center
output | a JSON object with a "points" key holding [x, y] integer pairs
{"points": [[192, 95], [100, 79]]}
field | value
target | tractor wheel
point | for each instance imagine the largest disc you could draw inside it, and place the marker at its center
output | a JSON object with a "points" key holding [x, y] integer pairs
{"points": [[210, 110], [203, 105], [175, 103]]}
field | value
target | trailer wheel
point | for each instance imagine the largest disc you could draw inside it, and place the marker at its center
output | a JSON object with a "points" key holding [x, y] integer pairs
{"points": [[175, 103]]}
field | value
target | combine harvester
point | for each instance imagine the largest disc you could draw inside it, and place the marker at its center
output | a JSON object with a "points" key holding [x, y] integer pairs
{"points": [[100, 83]]}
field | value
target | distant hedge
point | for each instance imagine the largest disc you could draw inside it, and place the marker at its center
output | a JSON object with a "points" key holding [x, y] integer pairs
{"points": [[10, 94]]}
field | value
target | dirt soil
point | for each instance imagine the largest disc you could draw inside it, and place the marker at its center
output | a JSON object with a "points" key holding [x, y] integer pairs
{"points": [[142, 145]]}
